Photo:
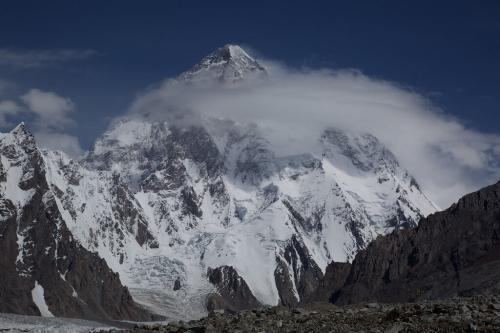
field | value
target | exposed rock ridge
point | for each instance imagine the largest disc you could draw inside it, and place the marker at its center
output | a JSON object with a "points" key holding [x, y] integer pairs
{"points": [[233, 293], [455, 252], [297, 275]]}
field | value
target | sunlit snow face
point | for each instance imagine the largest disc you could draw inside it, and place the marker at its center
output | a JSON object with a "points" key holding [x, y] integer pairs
{"points": [[292, 109]]}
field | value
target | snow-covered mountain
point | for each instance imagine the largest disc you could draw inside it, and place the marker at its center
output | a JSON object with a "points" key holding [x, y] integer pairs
{"points": [[165, 205], [43, 270]]}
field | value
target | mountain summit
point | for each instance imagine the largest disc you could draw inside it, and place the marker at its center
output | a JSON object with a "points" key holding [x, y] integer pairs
{"points": [[229, 63]]}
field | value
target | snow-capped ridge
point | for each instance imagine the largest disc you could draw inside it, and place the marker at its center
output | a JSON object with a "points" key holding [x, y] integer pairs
{"points": [[41, 260], [236, 51], [22, 135], [228, 53], [20, 127]]}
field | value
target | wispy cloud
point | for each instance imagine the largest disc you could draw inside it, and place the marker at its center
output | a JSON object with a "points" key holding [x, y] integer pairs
{"points": [[59, 141], [52, 111], [42, 58], [8, 109], [51, 117]]}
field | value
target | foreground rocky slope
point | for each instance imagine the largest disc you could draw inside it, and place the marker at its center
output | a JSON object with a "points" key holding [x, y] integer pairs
{"points": [[476, 314], [43, 270], [453, 252]]}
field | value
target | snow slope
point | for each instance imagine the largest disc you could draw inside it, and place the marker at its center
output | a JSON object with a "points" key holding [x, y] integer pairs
{"points": [[39, 299]]}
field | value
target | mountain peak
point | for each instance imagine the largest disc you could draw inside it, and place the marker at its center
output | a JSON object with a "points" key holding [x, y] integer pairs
{"points": [[21, 127], [232, 51], [22, 134], [229, 63]]}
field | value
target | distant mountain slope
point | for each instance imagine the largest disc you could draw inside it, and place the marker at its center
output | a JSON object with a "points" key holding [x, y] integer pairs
{"points": [[455, 252], [43, 270]]}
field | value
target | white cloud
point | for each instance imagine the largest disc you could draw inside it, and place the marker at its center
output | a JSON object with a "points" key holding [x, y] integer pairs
{"points": [[52, 111], [53, 117], [294, 107], [42, 58], [8, 109], [59, 141]]}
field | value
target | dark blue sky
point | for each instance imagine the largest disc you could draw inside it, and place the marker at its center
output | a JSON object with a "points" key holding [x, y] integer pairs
{"points": [[447, 50]]}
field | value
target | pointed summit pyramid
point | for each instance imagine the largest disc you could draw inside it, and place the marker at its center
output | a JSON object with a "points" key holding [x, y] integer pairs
{"points": [[23, 136], [229, 63], [20, 129]]}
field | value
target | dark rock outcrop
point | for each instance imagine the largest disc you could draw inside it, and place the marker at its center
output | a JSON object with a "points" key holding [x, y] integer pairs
{"points": [[233, 293], [451, 253], [297, 275], [177, 284], [125, 211], [39, 252], [334, 279]]}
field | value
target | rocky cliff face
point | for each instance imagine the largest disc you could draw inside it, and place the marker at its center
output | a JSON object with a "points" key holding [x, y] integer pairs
{"points": [[232, 293], [43, 270], [455, 252], [297, 275], [328, 287]]}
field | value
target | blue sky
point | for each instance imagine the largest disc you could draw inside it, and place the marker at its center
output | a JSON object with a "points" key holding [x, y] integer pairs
{"points": [[446, 50]]}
